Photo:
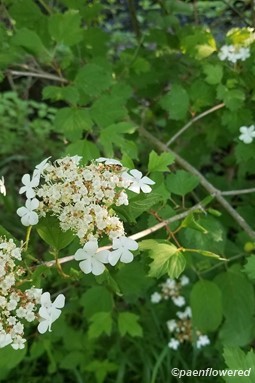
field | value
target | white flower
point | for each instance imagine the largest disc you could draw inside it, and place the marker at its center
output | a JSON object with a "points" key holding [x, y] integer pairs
{"points": [[2, 187], [203, 340], [234, 53], [174, 344], [28, 216], [29, 183], [108, 161], [247, 134], [138, 182], [156, 297], [5, 339], [122, 247], [185, 314], [171, 325], [179, 301], [184, 280], [92, 261], [39, 169], [49, 311]]}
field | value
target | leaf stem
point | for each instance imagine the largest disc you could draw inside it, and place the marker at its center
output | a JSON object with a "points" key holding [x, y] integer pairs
{"points": [[191, 122]]}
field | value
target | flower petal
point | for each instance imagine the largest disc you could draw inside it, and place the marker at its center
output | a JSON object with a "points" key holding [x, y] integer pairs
{"points": [[91, 247], [134, 187], [86, 266], [114, 256], [102, 256], [136, 173], [43, 326], [145, 188], [126, 257], [147, 180], [97, 267], [80, 255], [59, 301], [33, 218], [25, 179]]}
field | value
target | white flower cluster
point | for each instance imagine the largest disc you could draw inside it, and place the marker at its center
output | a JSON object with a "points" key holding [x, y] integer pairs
{"points": [[181, 328], [182, 331], [82, 198], [233, 53], [247, 134], [170, 289], [16, 305]]}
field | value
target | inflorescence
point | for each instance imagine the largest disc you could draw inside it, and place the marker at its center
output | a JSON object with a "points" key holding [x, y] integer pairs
{"points": [[83, 200], [18, 306], [181, 328]]}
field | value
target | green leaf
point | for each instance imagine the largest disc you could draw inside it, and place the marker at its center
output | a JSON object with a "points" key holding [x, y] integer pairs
{"points": [[236, 359], [101, 368], [233, 98], [197, 42], [191, 222], [176, 102], [160, 163], [72, 122], [49, 230], [57, 93], [96, 299], [206, 305], [93, 79], [249, 267], [65, 28], [181, 182], [167, 259], [214, 73], [244, 152], [238, 306], [133, 281], [88, 150], [107, 110], [10, 358], [101, 323], [114, 135], [141, 203], [128, 324], [205, 253], [30, 41]]}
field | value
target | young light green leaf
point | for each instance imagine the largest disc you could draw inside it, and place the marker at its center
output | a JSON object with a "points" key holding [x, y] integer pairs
{"points": [[192, 223], [128, 324], [160, 163], [167, 259]]}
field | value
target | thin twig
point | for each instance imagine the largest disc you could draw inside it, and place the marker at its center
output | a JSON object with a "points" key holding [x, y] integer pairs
{"points": [[191, 122], [44, 75], [134, 21], [237, 192], [203, 181], [140, 234]]}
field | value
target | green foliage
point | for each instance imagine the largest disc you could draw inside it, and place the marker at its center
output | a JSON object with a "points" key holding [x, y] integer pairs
{"points": [[206, 305], [127, 324], [167, 259], [49, 230], [236, 359], [82, 78]]}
